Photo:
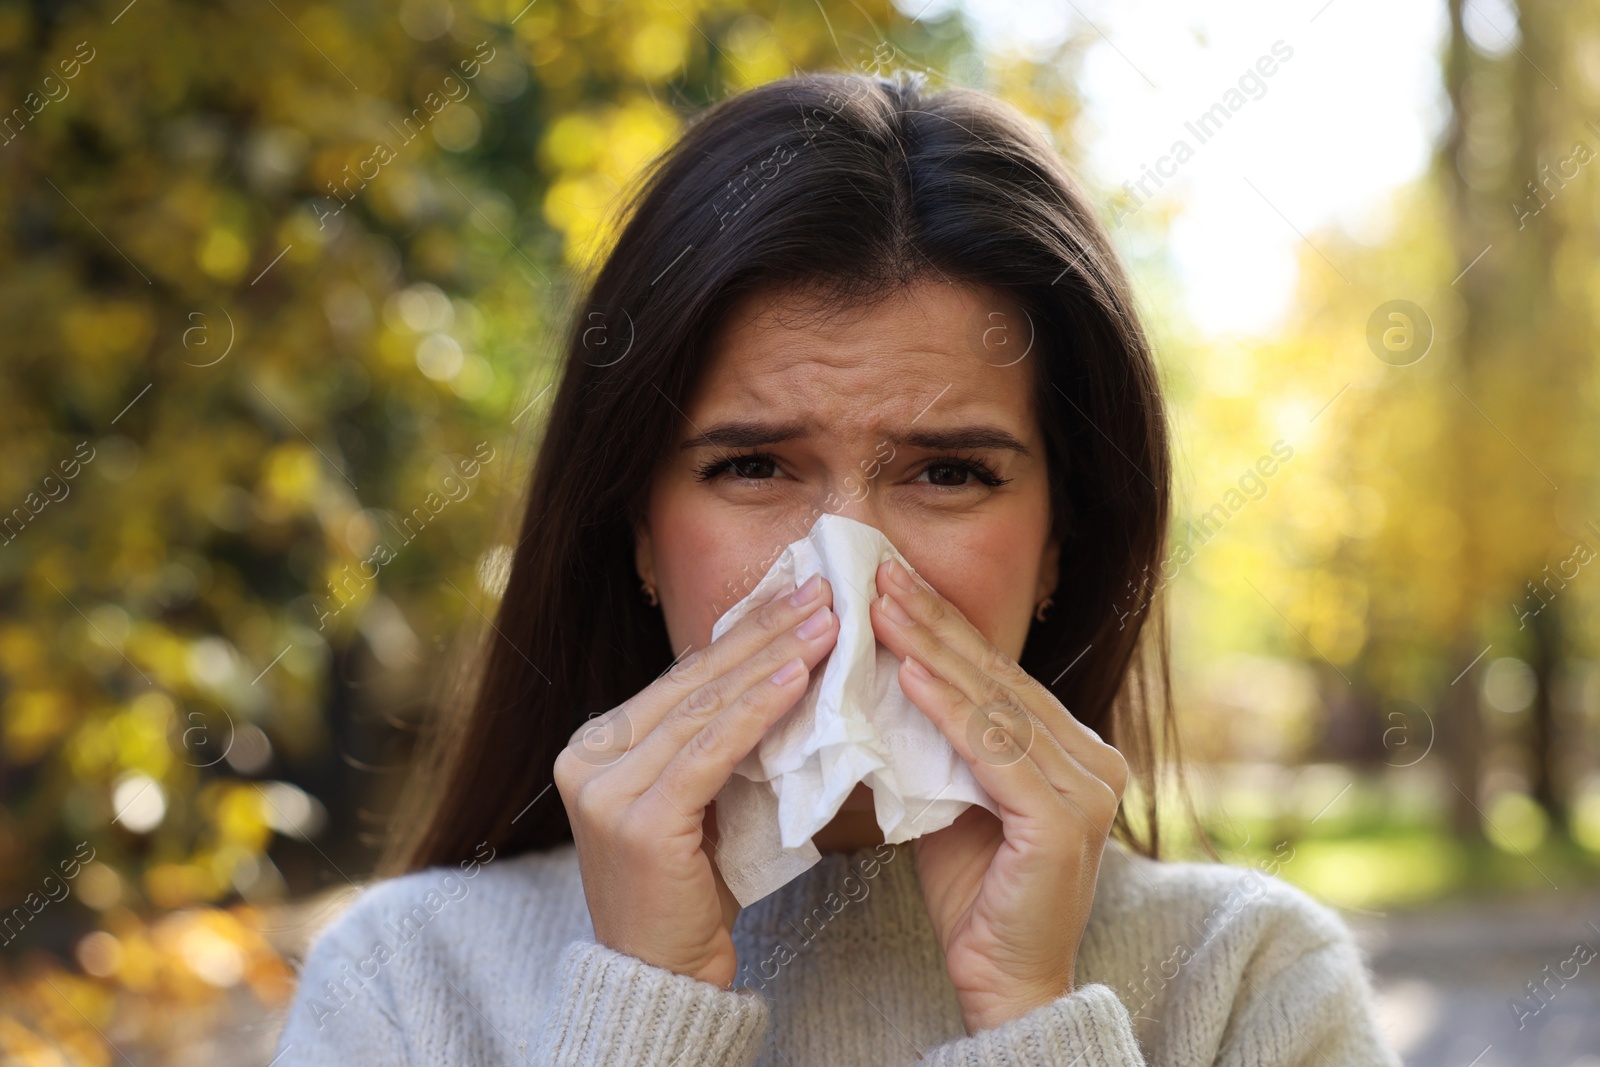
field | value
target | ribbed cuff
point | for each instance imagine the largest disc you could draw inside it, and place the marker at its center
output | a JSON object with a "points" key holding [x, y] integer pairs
{"points": [[1088, 1027], [614, 1009]]}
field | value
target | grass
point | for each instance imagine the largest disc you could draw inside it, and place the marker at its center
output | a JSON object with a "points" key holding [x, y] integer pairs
{"points": [[1375, 849]]}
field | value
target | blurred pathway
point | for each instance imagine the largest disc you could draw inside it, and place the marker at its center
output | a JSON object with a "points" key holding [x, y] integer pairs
{"points": [[1445, 978]]}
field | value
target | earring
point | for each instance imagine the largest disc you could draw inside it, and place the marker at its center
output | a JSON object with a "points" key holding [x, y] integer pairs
{"points": [[649, 593], [1044, 607]]}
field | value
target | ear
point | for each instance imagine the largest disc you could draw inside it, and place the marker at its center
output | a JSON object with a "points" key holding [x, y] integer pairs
{"points": [[1049, 569]]}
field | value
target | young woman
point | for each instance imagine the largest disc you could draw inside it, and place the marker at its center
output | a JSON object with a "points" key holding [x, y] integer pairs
{"points": [[834, 294]]}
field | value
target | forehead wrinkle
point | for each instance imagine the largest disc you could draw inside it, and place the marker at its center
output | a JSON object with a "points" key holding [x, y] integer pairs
{"points": [[767, 343], [856, 374], [821, 410], [863, 371], [831, 386]]}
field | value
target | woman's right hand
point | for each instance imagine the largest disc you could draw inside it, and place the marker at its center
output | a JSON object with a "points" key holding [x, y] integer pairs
{"points": [[637, 780]]}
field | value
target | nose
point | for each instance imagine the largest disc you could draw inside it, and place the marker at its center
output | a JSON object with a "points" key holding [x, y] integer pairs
{"points": [[855, 496], [857, 467]]}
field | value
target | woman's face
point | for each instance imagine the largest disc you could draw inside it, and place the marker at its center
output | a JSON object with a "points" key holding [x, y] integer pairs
{"points": [[792, 415]]}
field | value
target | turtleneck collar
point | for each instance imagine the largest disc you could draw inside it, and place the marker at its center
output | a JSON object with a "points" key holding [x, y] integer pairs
{"points": [[862, 897]]}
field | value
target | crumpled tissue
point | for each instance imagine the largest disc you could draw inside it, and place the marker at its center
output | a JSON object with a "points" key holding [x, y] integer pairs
{"points": [[852, 725]]}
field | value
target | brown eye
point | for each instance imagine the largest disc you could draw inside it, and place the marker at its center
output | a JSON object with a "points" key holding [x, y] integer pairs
{"points": [[948, 474], [960, 473], [752, 466]]}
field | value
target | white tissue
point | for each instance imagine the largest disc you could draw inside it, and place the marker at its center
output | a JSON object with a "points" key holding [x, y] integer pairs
{"points": [[853, 725]]}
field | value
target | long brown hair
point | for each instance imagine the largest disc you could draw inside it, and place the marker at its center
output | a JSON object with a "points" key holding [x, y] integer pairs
{"points": [[856, 185]]}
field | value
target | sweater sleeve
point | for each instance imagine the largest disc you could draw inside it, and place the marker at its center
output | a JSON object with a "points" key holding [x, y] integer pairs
{"points": [[618, 1011], [1302, 999], [1088, 1027], [1316, 1012]]}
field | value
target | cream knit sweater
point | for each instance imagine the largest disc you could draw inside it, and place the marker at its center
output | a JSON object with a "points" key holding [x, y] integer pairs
{"points": [[495, 963]]}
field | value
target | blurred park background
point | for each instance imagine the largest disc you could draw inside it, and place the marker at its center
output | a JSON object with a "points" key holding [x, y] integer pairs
{"points": [[272, 269]]}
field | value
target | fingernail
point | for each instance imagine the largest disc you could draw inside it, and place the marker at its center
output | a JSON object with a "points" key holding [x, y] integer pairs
{"points": [[917, 670], [815, 626], [896, 613], [899, 575], [789, 671], [807, 592]]}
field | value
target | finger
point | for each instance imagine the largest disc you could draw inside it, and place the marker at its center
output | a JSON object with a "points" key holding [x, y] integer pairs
{"points": [[906, 636], [603, 739], [991, 744], [699, 769], [808, 642], [974, 665], [1034, 715], [1011, 754]]}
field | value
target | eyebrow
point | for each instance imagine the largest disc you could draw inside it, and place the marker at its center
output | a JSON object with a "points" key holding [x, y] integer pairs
{"points": [[755, 434]]}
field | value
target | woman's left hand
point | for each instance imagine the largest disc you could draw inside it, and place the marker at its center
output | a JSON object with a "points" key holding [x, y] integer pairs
{"points": [[1009, 898]]}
